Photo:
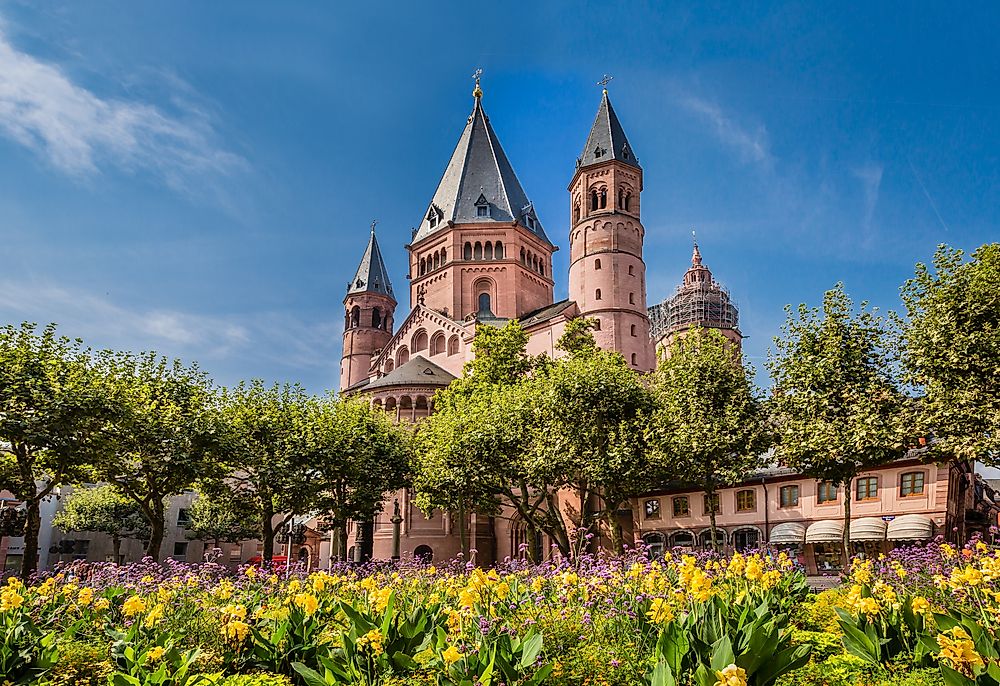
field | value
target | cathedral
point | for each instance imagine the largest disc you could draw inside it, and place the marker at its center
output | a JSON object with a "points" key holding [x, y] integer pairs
{"points": [[481, 255]]}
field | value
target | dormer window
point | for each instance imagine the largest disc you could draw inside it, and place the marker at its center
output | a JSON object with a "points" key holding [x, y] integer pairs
{"points": [[433, 216], [482, 206], [599, 151]]}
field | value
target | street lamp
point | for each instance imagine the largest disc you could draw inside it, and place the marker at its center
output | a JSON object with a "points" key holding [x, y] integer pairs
{"points": [[396, 520]]}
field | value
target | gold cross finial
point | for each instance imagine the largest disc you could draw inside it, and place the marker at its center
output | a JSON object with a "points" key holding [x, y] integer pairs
{"points": [[477, 92], [603, 83]]}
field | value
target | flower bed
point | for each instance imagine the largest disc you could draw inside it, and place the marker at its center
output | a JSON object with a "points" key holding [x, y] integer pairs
{"points": [[918, 618]]}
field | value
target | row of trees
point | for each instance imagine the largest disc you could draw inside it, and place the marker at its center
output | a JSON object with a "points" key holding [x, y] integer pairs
{"points": [[152, 428], [852, 390]]}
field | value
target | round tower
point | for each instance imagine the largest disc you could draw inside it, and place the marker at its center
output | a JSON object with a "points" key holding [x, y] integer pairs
{"points": [[368, 312], [607, 275]]}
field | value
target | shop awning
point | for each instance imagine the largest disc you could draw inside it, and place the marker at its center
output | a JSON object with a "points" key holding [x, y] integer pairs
{"points": [[825, 531], [910, 528], [868, 529], [788, 532]]}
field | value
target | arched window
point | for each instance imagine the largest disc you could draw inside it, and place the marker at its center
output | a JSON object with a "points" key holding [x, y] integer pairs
{"points": [[621, 197], [477, 251], [437, 344], [628, 202], [347, 319], [631, 270], [437, 260], [604, 198], [402, 356], [597, 263], [485, 306], [423, 553], [594, 200], [376, 318], [633, 360], [524, 260], [389, 366], [632, 329], [423, 266], [541, 267], [597, 324], [488, 252], [355, 317], [467, 252], [631, 298], [746, 539], [534, 263], [597, 294], [377, 403], [453, 345], [406, 403], [656, 544], [498, 251], [682, 539], [576, 212], [444, 256], [419, 341], [390, 404]]}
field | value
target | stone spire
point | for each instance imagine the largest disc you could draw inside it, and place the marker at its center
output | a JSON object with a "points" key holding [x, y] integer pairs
{"points": [[479, 185], [372, 276], [607, 140]]}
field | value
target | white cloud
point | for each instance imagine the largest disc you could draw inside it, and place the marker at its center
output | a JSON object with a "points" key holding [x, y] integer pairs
{"points": [[751, 146], [870, 176], [80, 133], [260, 341]]}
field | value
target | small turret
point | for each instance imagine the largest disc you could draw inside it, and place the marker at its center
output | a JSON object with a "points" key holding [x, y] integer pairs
{"points": [[368, 310]]}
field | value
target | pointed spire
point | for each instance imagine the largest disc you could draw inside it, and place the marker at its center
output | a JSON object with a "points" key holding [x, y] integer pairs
{"points": [[696, 254], [372, 276], [607, 140], [478, 171], [698, 274]]}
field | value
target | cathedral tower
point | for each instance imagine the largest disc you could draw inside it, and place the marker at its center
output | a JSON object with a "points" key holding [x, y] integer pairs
{"points": [[368, 310], [607, 276], [480, 250]]}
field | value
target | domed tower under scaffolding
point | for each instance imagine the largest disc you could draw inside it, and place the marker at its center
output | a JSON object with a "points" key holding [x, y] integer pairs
{"points": [[699, 301]]}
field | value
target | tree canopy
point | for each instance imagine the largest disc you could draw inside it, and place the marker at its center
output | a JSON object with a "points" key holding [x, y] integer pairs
{"points": [[103, 509]]}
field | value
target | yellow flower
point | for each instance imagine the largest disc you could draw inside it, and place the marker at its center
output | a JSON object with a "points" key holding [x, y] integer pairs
{"points": [[235, 630], [294, 585], [920, 605], [307, 601], [10, 599], [862, 572], [134, 606], [155, 653], [86, 597], [731, 676], [967, 576], [374, 640], [235, 611], [451, 655], [736, 564], [382, 599], [770, 579], [102, 604], [660, 611], [958, 650], [868, 606], [754, 569], [155, 614], [251, 572], [947, 551]]}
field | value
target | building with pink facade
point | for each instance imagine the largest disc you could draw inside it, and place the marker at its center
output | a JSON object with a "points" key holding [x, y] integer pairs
{"points": [[480, 255]]}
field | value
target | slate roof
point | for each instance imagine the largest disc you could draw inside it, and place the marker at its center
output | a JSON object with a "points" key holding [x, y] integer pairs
{"points": [[607, 140], [419, 371], [372, 276], [544, 314], [478, 175]]}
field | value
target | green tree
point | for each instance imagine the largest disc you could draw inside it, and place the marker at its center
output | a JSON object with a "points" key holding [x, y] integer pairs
{"points": [[952, 351], [266, 456], [589, 411], [358, 456], [106, 510], [709, 426], [222, 518], [165, 437], [837, 405], [52, 412]]}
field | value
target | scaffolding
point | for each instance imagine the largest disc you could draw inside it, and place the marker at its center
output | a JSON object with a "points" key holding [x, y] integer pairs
{"points": [[703, 303]]}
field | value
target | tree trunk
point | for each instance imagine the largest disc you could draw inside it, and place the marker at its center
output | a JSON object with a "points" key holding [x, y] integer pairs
{"points": [[847, 522], [267, 532], [711, 519], [531, 538], [156, 526], [614, 530], [461, 532], [29, 562], [116, 548], [342, 542]]}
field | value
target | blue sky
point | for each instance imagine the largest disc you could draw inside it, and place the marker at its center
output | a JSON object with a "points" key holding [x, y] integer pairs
{"points": [[198, 178]]}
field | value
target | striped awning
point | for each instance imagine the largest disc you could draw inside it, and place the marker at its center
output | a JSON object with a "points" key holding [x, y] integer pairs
{"points": [[868, 529], [788, 532], [825, 531], [911, 527]]}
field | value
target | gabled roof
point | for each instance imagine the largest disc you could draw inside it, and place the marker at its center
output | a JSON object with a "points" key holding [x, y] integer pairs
{"points": [[372, 276], [607, 140], [478, 171], [544, 314], [419, 371]]}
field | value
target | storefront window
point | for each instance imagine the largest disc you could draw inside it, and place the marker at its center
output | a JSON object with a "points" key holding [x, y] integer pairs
{"points": [[746, 501], [868, 549], [790, 496], [827, 556], [826, 492], [681, 508], [867, 488]]}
